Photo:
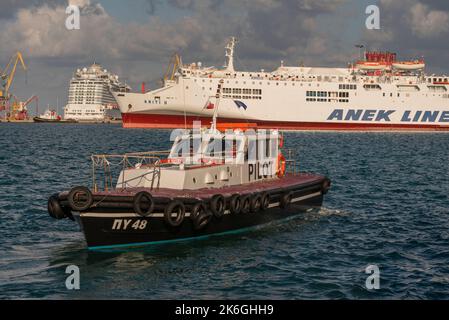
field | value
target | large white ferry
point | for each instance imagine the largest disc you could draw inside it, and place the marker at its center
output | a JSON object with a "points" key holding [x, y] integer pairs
{"points": [[376, 93], [90, 97]]}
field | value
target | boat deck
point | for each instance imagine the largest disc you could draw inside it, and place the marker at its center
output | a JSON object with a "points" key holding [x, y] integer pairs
{"points": [[288, 181]]}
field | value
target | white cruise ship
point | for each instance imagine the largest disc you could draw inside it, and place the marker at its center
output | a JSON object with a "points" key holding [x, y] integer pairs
{"points": [[378, 92], [90, 95]]}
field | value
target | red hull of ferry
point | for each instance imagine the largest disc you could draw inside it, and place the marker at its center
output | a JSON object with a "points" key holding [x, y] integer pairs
{"points": [[155, 121]]}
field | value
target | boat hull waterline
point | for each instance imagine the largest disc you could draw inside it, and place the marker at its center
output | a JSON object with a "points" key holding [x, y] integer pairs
{"points": [[42, 120]]}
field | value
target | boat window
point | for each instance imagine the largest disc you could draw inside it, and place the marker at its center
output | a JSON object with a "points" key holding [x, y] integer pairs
{"points": [[267, 147], [372, 87], [180, 148], [437, 88], [214, 148]]}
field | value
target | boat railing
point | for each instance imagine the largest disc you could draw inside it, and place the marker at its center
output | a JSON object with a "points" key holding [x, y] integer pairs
{"points": [[103, 168], [291, 161]]}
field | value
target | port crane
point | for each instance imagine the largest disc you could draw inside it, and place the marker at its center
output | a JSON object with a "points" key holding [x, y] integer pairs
{"points": [[7, 77], [18, 110], [173, 66]]}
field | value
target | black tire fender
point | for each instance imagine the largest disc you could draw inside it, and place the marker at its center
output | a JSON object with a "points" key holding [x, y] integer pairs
{"points": [[235, 204], [286, 200], [78, 204], [255, 203], [246, 205], [265, 201], [175, 207], [139, 200], [200, 216], [326, 186], [54, 208], [218, 205]]}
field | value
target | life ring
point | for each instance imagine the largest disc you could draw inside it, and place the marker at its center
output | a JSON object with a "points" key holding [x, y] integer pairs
{"points": [[255, 203], [217, 205], [143, 203], [54, 208], [174, 213], [235, 204], [281, 141], [80, 198], [286, 200], [200, 216], [246, 205], [265, 201], [280, 172]]}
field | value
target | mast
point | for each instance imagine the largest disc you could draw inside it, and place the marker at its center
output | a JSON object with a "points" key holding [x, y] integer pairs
{"points": [[230, 54], [218, 97]]}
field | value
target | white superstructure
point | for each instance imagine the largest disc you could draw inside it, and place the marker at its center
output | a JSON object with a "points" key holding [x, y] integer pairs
{"points": [[376, 93], [90, 97]]}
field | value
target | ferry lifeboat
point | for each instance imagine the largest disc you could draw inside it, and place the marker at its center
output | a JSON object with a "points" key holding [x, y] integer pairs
{"points": [[367, 65], [409, 65], [193, 191]]}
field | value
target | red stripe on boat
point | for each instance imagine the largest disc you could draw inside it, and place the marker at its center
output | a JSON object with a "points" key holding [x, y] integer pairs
{"points": [[154, 121]]}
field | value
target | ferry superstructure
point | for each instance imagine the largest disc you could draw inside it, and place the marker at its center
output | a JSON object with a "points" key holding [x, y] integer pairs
{"points": [[90, 97], [378, 92]]}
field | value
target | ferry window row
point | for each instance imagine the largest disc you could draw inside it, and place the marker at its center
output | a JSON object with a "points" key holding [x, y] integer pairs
{"points": [[438, 80], [333, 94], [157, 101], [326, 100], [347, 86], [242, 97], [242, 91]]}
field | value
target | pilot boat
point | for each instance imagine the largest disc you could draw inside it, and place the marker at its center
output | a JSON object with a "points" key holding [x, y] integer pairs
{"points": [[51, 116], [213, 181]]}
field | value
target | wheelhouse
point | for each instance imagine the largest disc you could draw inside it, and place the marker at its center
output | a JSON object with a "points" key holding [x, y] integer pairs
{"points": [[229, 147]]}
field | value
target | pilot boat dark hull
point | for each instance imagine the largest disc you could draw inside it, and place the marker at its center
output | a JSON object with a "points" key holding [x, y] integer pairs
{"points": [[44, 120], [112, 221]]}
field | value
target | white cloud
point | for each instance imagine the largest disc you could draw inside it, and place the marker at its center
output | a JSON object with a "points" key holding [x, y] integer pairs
{"points": [[425, 22]]}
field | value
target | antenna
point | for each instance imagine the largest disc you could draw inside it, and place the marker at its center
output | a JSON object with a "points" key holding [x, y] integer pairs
{"points": [[230, 54], [360, 46]]}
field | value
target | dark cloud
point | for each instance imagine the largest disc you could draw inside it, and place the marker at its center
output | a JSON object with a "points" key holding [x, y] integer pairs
{"points": [[414, 28], [151, 6], [437, 4], [182, 4], [9, 8]]}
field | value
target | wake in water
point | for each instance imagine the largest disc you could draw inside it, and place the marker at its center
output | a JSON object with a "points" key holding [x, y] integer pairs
{"points": [[326, 212]]}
